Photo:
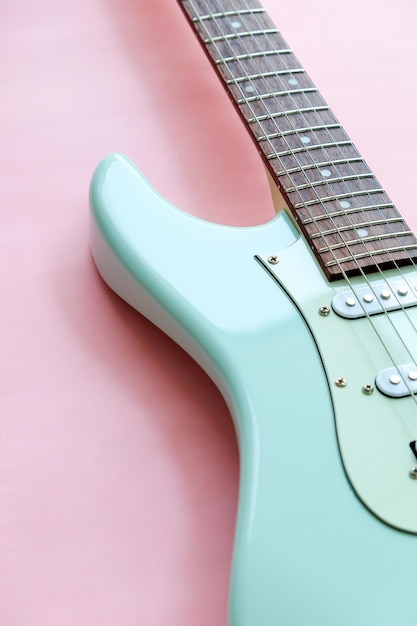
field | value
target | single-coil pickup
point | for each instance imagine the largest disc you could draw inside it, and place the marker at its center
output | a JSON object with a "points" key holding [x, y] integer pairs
{"points": [[398, 382], [374, 298]]}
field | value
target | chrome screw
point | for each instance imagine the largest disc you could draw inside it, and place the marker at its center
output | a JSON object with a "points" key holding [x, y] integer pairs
{"points": [[340, 382], [324, 310], [273, 259], [368, 389], [413, 473]]}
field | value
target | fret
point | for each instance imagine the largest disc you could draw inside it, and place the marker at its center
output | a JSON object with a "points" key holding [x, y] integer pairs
{"points": [[290, 141], [299, 130], [319, 183], [315, 182], [371, 253], [303, 168], [253, 33], [275, 117], [206, 8], [335, 221], [367, 224], [374, 222], [317, 193], [276, 70], [313, 161], [279, 114], [252, 55], [230, 22], [310, 127], [320, 186], [241, 48], [350, 212], [276, 94], [226, 14], [363, 240], [371, 219], [223, 39], [343, 196], [291, 156], [251, 77], [268, 113], [307, 149]]}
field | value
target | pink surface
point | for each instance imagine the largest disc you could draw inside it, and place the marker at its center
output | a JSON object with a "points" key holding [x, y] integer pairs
{"points": [[119, 466]]}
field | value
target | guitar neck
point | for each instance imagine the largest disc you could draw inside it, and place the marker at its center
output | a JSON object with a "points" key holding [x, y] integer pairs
{"points": [[348, 219]]}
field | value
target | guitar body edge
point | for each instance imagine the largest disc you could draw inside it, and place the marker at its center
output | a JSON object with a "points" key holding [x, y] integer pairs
{"points": [[306, 550]]}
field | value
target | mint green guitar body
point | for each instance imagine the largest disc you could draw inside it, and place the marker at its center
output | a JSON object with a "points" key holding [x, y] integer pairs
{"points": [[327, 509]]}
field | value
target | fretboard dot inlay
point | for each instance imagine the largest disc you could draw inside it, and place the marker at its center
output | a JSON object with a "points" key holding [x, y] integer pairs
{"points": [[325, 173], [345, 215]]}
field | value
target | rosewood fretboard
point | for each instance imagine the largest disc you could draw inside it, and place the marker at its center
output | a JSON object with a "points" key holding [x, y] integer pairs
{"points": [[347, 218]]}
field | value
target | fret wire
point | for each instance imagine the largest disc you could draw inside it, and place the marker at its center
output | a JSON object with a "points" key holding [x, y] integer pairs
{"points": [[346, 244], [249, 77], [363, 255], [306, 149], [271, 31], [297, 131], [267, 138], [372, 325], [248, 100], [342, 196], [260, 53], [303, 168], [344, 212], [337, 161], [252, 55], [240, 57], [361, 271], [245, 56], [200, 18], [319, 183], [344, 177], [272, 116], [275, 94], [268, 116], [340, 229]]}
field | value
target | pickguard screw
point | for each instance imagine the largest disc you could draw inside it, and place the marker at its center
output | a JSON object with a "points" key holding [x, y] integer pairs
{"points": [[368, 389], [340, 382], [413, 473], [324, 310], [273, 259]]}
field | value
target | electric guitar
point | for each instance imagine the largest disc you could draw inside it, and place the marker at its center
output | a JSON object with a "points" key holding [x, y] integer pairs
{"points": [[307, 324]]}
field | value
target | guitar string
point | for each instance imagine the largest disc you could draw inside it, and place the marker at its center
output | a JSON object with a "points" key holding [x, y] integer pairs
{"points": [[331, 163], [393, 260], [209, 11], [314, 164]]}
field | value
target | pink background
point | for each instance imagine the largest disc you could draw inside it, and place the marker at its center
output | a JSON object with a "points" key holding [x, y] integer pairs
{"points": [[119, 467]]}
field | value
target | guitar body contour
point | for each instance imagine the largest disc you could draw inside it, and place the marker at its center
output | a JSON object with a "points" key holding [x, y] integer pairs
{"points": [[307, 549]]}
